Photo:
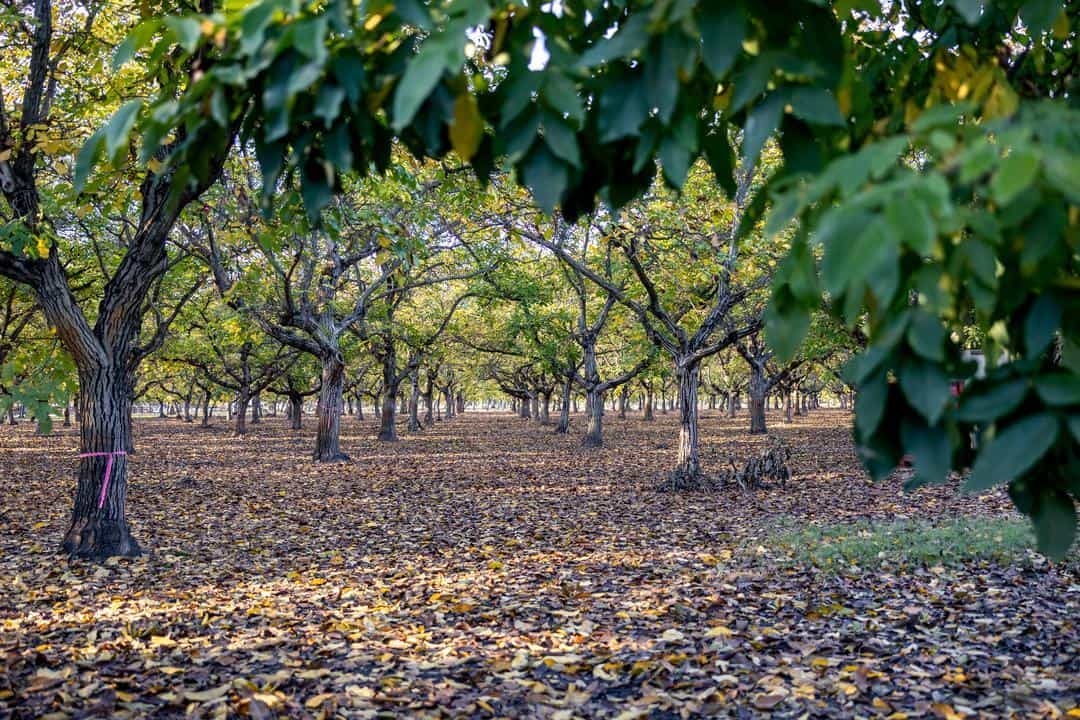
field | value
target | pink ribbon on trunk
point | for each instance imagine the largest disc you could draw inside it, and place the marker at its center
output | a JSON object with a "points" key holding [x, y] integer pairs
{"points": [[108, 471]]}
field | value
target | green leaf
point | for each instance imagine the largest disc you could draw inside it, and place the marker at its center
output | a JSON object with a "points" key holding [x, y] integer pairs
{"points": [[623, 107], [118, 131], [1015, 173], [1055, 524], [136, 40], [815, 105], [1058, 389], [1039, 15], [970, 10], [631, 37], [88, 156], [931, 449], [723, 27], [673, 54], [561, 95], [545, 175], [870, 400], [675, 161], [1063, 171], [1074, 427], [315, 189], [1012, 452], [926, 335], [561, 139], [721, 159], [850, 250], [414, 12], [328, 103], [911, 221], [1042, 323], [997, 401], [761, 123], [926, 388], [188, 31], [421, 77], [785, 331]]}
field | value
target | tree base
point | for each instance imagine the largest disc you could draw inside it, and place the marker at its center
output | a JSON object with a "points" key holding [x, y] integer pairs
{"points": [[591, 442], [332, 457], [686, 480], [98, 539]]}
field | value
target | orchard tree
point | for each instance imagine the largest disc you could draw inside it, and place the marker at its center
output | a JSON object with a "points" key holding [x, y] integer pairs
{"points": [[324, 87], [104, 339]]}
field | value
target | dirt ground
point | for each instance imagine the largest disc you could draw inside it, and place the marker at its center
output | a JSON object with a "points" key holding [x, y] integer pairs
{"points": [[489, 568]]}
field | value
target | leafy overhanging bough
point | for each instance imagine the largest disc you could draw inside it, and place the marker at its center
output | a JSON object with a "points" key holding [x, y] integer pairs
{"points": [[987, 233], [984, 234]]}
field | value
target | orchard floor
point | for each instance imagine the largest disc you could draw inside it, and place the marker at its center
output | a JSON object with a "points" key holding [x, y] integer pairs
{"points": [[488, 567]]}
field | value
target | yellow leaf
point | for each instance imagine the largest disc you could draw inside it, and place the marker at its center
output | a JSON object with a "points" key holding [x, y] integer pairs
{"points": [[42, 246], [1061, 31], [162, 641], [208, 695], [316, 701], [468, 127], [719, 631], [946, 711], [672, 635]]}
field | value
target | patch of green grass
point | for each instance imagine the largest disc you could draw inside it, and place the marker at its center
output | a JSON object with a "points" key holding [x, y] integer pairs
{"points": [[907, 542]]}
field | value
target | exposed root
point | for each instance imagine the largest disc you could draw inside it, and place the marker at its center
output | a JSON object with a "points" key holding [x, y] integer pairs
{"points": [[771, 466]]}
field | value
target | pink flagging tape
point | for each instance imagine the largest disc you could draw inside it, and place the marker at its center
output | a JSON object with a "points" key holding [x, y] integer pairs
{"points": [[108, 471]]}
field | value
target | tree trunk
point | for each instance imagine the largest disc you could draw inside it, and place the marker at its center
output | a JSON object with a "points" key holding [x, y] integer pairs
{"points": [[459, 408], [256, 409], [206, 409], [388, 418], [787, 407], [296, 410], [429, 404], [594, 408], [414, 403], [758, 392], [67, 414], [545, 408], [241, 411], [329, 408], [649, 417], [688, 467], [564, 411], [448, 398], [99, 526]]}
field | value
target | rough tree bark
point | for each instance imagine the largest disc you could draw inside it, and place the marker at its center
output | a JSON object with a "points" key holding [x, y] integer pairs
{"points": [[758, 391], [329, 409], [688, 463]]}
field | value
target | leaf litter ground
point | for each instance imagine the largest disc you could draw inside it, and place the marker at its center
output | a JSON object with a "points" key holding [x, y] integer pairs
{"points": [[487, 567]]}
